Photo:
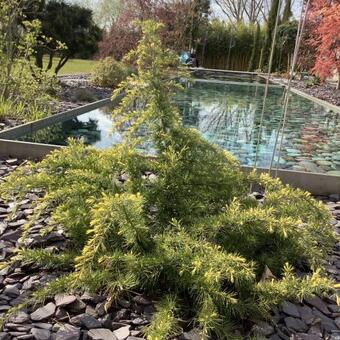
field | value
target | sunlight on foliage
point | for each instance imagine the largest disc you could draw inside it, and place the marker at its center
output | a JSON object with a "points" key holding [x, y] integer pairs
{"points": [[26, 92], [180, 226], [109, 73], [164, 323]]}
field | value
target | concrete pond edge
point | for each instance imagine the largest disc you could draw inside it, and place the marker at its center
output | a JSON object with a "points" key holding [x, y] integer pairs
{"points": [[317, 184]]}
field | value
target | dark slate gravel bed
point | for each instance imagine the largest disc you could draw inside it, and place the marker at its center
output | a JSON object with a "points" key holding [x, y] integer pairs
{"points": [[71, 85], [8, 123], [81, 316], [326, 91], [313, 319]]}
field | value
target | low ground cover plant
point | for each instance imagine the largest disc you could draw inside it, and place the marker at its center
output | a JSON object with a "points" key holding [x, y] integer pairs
{"points": [[83, 95], [180, 227], [109, 73]]}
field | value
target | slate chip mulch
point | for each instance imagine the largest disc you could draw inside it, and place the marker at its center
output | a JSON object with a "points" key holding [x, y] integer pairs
{"points": [[84, 315]]}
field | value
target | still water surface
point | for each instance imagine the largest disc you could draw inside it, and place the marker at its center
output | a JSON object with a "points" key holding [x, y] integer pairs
{"points": [[228, 114]]}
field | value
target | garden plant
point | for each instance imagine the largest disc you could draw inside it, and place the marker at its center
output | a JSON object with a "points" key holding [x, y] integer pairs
{"points": [[109, 73], [26, 92], [180, 227]]}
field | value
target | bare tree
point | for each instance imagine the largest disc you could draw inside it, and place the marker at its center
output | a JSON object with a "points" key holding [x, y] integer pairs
{"points": [[233, 9], [244, 10], [253, 10], [105, 11]]}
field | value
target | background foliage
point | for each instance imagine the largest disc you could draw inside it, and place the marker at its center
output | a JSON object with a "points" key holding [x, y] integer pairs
{"points": [[229, 46], [234, 44], [323, 38], [180, 227], [69, 25], [25, 90], [109, 73]]}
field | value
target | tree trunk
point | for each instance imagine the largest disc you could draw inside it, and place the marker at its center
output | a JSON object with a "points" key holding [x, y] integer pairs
{"points": [[39, 58], [63, 60], [50, 61], [261, 60]]}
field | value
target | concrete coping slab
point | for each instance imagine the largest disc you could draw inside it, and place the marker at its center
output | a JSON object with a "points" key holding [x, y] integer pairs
{"points": [[317, 184], [31, 127]]}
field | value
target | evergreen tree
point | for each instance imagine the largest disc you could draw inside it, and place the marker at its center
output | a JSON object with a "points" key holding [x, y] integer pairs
{"points": [[199, 15], [287, 12], [285, 44], [68, 26], [181, 227], [270, 33], [255, 49]]}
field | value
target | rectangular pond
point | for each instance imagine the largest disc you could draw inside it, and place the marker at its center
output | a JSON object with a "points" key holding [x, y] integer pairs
{"points": [[227, 111]]}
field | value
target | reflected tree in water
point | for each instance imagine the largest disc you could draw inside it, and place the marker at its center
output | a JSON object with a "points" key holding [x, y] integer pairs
{"points": [[59, 133], [229, 115]]}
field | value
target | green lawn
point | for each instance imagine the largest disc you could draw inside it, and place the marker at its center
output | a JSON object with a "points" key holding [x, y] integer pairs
{"points": [[73, 66]]}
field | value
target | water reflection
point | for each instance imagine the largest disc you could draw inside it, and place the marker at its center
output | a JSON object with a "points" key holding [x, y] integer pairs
{"points": [[57, 134], [228, 114]]}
